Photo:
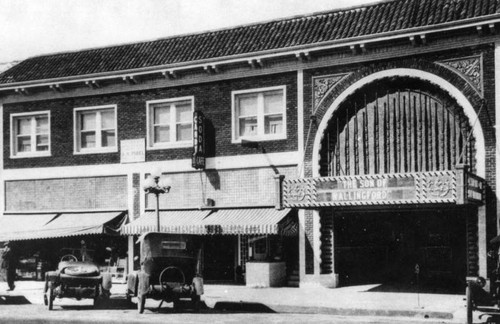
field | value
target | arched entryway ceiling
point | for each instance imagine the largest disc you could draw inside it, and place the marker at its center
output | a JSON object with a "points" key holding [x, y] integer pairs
{"points": [[455, 93]]}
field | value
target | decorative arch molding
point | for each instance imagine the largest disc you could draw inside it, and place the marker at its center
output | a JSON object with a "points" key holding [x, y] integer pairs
{"points": [[322, 85], [467, 98], [470, 68]]}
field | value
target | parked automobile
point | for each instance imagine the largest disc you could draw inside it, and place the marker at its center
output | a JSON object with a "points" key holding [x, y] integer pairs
{"points": [[170, 270], [76, 279]]}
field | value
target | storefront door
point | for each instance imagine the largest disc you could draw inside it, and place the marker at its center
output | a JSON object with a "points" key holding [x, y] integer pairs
{"points": [[219, 260]]}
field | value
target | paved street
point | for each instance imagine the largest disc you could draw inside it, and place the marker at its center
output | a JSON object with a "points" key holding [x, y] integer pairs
{"points": [[30, 313], [230, 304]]}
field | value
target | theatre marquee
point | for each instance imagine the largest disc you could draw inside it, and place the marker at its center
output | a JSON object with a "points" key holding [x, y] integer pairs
{"points": [[450, 187]]}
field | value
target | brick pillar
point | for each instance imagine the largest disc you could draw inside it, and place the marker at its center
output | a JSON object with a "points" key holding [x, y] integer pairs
{"points": [[472, 245], [309, 242], [326, 242]]}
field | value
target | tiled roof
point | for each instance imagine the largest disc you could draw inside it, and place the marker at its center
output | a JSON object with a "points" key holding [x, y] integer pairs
{"points": [[338, 25]]}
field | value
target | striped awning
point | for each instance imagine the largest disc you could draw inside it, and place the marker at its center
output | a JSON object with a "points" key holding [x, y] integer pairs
{"points": [[178, 222], [30, 227], [22, 227], [245, 221], [252, 221]]}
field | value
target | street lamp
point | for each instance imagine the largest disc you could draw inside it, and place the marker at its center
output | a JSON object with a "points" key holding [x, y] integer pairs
{"points": [[157, 185]]}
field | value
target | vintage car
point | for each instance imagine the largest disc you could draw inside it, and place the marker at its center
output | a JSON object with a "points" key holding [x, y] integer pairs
{"points": [[76, 279], [170, 270]]}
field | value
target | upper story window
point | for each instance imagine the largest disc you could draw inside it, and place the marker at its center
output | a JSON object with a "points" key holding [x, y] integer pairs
{"points": [[30, 134], [170, 122], [95, 129], [259, 114]]}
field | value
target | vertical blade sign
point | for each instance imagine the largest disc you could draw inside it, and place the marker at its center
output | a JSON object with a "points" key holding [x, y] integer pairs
{"points": [[198, 160]]}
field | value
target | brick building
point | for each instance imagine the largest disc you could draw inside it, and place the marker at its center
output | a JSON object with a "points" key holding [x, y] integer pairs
{"points": [[353, 146]]}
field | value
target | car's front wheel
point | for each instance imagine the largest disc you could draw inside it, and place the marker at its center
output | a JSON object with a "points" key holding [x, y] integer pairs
{"points": [[141, 302], [49, 298]]}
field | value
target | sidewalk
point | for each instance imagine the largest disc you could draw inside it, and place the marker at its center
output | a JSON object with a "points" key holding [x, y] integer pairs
{"points": [[346, 301]]}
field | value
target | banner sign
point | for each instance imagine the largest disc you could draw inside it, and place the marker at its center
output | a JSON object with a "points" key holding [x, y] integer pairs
{"points": [[198, 158], [383, 189]]}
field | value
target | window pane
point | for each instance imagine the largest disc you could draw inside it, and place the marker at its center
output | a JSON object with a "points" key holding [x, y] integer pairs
{"points": [[88, 139], [108, 119], [248, 126], [247, 105], [23, 126], [161, 115], [42, 125], [161, 134], [24, 144], [88, 121], [273, 102], [42, 140], [42, 143], [183, 112], [184, 132], [273, 124], [108, 138]]}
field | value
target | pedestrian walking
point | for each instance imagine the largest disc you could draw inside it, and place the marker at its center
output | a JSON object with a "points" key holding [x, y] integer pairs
{"points": [[9, 264]]}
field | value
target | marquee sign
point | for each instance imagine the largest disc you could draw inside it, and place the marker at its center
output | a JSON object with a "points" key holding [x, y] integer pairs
{"points": [[455, 187]]}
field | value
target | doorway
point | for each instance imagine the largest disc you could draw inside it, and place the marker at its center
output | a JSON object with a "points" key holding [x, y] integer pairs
{"points": [[219, 258], [406, 250]]}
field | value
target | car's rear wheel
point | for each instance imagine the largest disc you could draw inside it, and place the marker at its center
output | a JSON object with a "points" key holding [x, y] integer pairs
{"points": [[50, 298], [141, 302], [195, 300]]}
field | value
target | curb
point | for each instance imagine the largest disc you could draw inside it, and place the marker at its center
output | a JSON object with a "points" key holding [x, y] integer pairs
{"points": [[293, 309]]}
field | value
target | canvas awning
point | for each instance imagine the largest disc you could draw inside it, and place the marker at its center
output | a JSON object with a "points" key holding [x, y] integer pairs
{"points": [[245, 221], [15, 227], [222, 221], [179, 222]]}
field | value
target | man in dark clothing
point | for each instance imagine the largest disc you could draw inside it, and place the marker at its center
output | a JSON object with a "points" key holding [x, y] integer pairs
{"points": [[9, 263]]}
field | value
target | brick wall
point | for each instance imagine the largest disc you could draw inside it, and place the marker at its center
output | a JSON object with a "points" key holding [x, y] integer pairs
{"points": [[92, 193], [247, 187], [214, 99]]}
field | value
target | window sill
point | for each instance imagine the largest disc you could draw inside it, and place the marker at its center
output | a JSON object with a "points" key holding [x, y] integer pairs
{"points": [[258, 139], [96, 151], [30, 155], [170, 146]]}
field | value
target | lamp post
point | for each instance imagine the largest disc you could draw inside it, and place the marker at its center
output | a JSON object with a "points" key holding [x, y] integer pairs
{"points": [[157, 185]]}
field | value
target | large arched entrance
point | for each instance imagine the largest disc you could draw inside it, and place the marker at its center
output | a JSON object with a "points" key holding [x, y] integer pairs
{"points": [[388, 182], [398, 125]]}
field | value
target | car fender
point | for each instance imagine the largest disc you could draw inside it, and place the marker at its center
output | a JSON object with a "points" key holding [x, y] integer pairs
{"points": [[198, 285], [106, 281], [52, 276], [143, 284], [132, 280]]}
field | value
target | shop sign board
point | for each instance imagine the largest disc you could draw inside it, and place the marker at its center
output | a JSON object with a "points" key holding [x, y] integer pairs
{"points": [[198, 160], [133, 150], [385, 189]]}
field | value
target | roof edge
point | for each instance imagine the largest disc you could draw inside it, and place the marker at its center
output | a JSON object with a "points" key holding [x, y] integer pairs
{"points": [[454, 25]]}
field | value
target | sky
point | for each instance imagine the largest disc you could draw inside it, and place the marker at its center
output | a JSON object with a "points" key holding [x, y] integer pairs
{"points": [[36, 27]]}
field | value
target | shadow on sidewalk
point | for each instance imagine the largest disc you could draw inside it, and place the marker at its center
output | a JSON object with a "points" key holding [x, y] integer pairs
{"points": [[242, 307], [424, 289], [13, 300]]}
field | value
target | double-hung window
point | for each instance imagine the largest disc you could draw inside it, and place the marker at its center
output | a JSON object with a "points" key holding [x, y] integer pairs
{"points": [[170, 122], [30, 134], [259, 114], [95, 129]]}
